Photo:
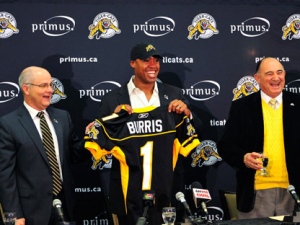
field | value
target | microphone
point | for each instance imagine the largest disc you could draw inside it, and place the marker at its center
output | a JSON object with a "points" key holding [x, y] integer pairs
{"points": [[291, 190], [148, 201], [180, 197], [200, 196], [57, 205]]}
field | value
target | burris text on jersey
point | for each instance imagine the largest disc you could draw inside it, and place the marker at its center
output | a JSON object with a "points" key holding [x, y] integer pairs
{"points": [[145, 126]]}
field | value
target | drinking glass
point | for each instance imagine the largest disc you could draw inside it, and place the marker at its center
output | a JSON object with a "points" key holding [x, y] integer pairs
{"points": [[169, 215], [265, 160], [10, 218]]}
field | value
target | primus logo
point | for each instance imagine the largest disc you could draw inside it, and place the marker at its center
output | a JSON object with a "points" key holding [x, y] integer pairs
{"points": [[252, 27], [293, 86], [55, 26], [99, 90], [8, 91], [156, 26], [203, 90], [100, 219]]}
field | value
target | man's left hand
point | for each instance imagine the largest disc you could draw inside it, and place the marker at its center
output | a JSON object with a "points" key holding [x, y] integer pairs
{"points": [[179, 107]]}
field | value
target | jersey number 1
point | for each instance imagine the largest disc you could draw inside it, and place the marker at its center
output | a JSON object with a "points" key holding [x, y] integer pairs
{"points": [[147, 153]]}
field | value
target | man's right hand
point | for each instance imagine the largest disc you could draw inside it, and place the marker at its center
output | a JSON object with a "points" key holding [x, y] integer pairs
{"points": [[124, 106], [20, 221]]}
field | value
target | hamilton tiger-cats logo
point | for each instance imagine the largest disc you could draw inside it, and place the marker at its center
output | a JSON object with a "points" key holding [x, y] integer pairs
{"points": [[8, 25], [246, 86], [105, 25], [203, 26], [205, 154], [291, 28]]}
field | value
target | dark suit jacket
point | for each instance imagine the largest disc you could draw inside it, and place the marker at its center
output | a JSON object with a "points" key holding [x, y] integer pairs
{"points": [[167, 93], [25, 175], [244, 132]]}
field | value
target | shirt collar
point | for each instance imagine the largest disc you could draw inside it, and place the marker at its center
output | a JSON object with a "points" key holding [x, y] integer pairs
{"points": [[131, 87], [267, 98], [32, 111]]}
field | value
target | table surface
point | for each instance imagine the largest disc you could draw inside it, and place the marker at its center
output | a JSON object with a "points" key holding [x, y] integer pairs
{"points": [[258, 221]]}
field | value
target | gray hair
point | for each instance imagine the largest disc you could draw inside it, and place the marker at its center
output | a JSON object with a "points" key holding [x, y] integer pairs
{"points": [[27, 75]]}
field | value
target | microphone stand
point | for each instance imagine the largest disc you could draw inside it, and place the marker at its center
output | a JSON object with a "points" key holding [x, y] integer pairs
{"points": [[143, 220]]}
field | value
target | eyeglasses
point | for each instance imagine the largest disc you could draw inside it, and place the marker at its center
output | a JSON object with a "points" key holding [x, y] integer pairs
{"points": [[43, 85]]}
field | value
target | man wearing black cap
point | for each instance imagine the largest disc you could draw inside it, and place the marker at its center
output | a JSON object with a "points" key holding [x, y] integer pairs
{"points": [[141, 91]]}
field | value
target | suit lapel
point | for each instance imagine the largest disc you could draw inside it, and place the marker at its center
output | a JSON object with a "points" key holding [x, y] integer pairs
{"points": [[123, 95], [164, 98], [28, 124], [256, 112]]}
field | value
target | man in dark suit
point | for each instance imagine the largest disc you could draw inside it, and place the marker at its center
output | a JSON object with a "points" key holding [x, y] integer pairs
{"points": [[25, 173], [142, 90], [255, 129]]}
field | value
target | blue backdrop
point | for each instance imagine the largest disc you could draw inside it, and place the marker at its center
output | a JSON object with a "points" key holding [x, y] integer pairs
{"points": [[210, 50]]}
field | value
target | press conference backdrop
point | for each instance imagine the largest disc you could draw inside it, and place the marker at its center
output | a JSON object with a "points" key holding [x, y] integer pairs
{"points": [[210, 51]]}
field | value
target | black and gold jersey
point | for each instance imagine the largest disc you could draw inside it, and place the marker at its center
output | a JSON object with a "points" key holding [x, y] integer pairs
{"points": [[146, 143]]}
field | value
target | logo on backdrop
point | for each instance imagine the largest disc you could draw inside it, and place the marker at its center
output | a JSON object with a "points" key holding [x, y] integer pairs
{"points": [[156, 27], [203, 90], [58, 91], [100, 219], [203, 26], [105, 25], [55, 26], [252, 27], [8, 25], [291, 28], [293, 86], [8, 91], [206, 154], [245, 86], [99, 90]]}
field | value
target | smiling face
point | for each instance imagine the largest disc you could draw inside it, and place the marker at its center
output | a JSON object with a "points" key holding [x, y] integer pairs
{"points": [[271, 77], [37, 97], [145, 71]]}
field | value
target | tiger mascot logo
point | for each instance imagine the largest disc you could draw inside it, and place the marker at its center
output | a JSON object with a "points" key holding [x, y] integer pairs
{"points": [[102, 163], [205, 154], [105, 25], [246, 86], [100, 160], [204, 25], [292, 27], [58, 91], [8, 25]]}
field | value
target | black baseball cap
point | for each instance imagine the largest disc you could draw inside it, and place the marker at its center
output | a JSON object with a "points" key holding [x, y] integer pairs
{"points": [[143, 51]]}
